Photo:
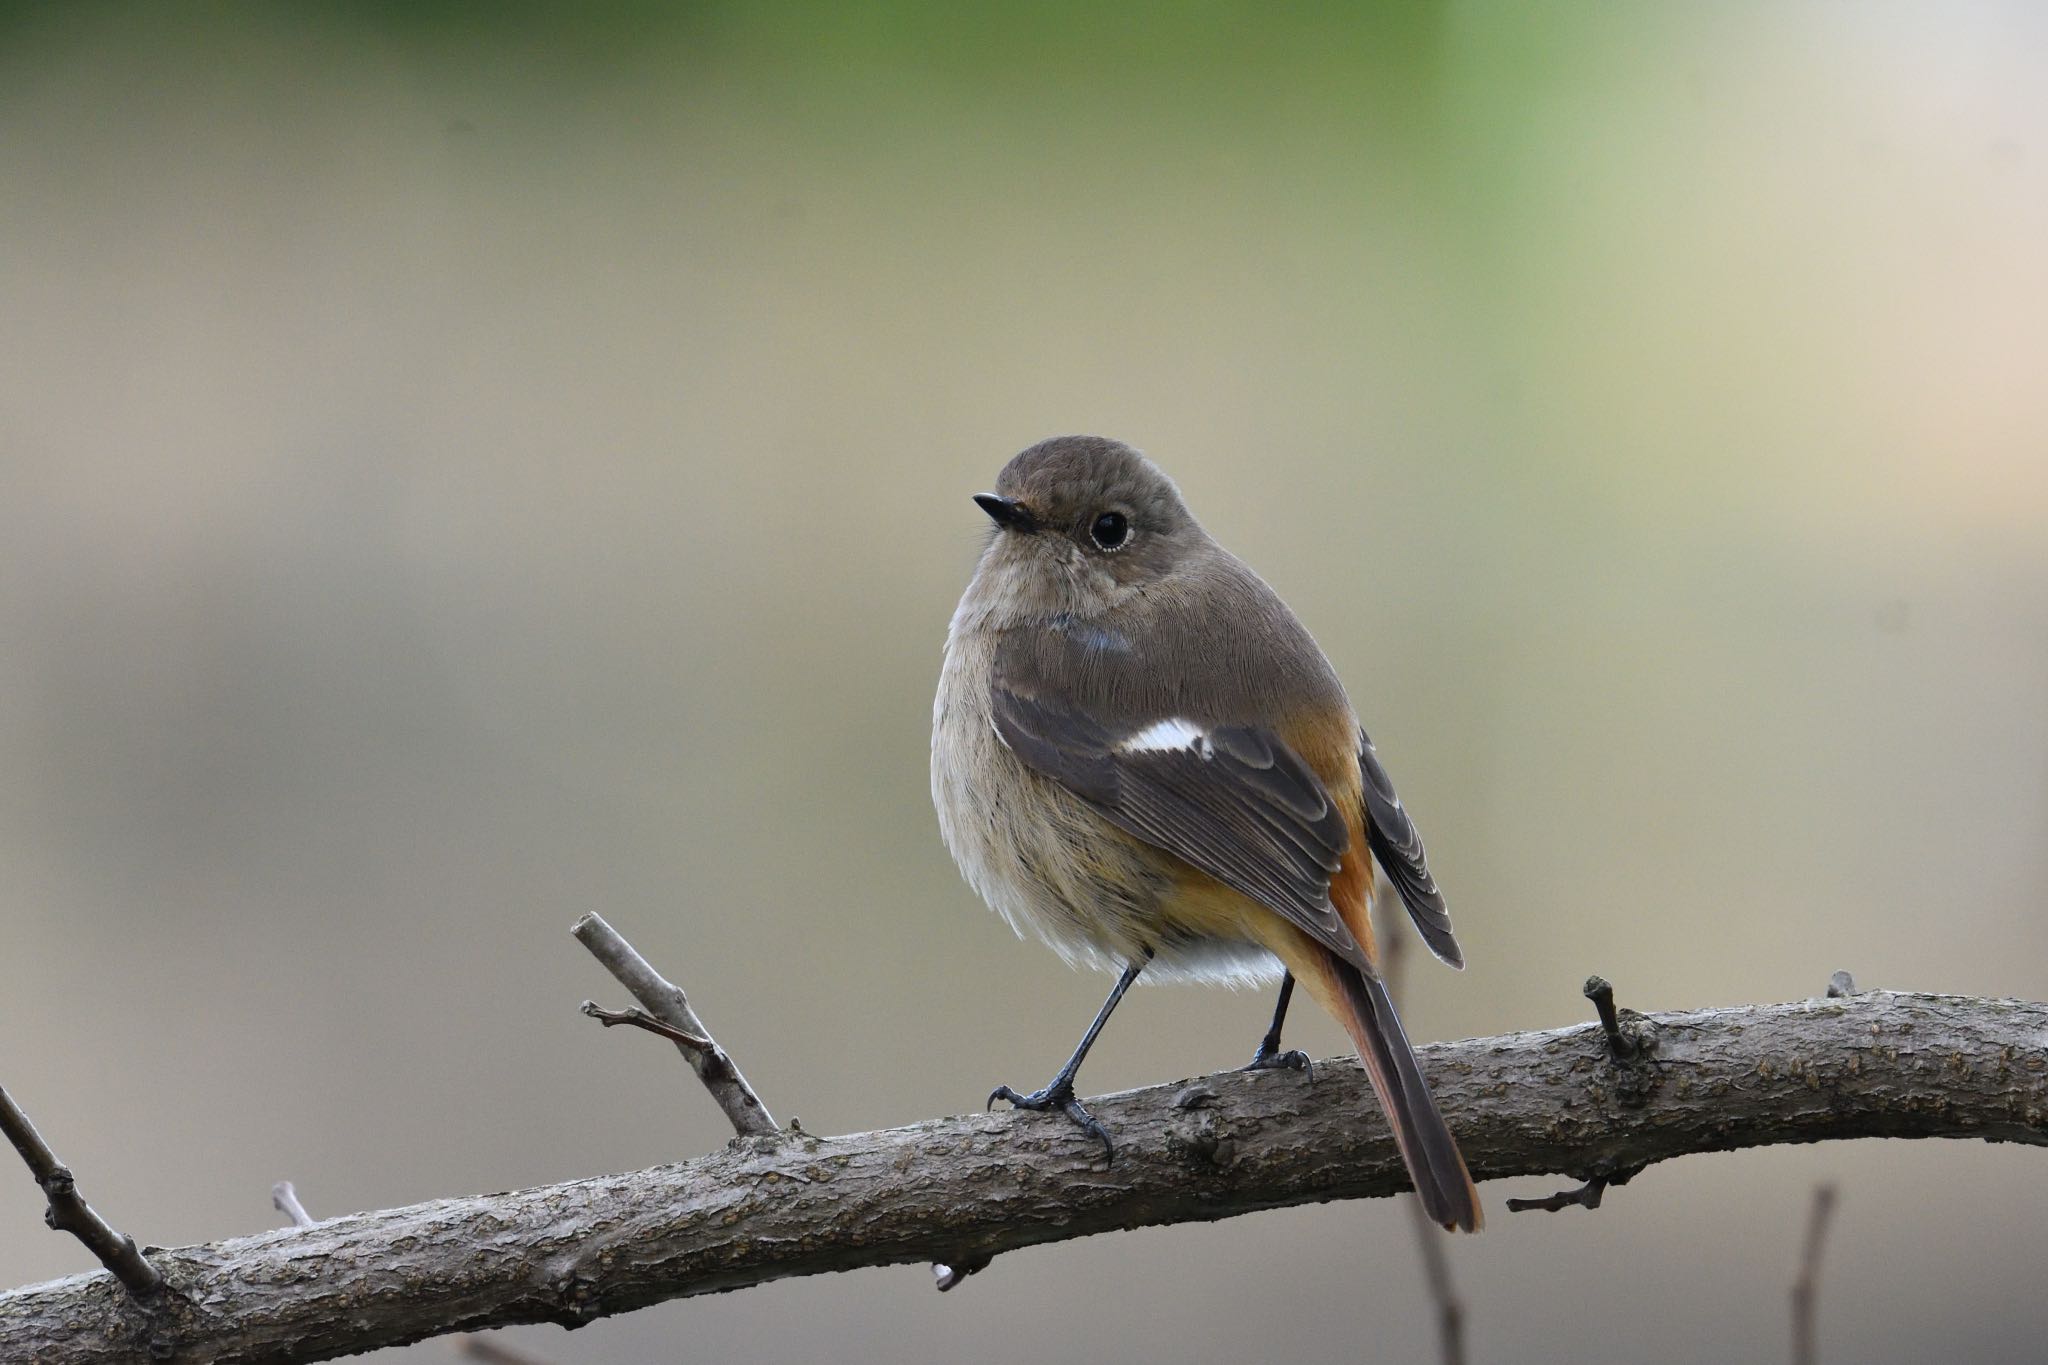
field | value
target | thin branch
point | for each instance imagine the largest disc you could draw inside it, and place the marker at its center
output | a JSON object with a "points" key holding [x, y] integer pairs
{"points": [[1586, 1196], [642, 1019], [285, 1199], [1443, 1290], [665, 1001], [1429, 1238], [68, 1211], [1631, 1041], [1882, 1064], [1807, 1287], [1601, 994]]}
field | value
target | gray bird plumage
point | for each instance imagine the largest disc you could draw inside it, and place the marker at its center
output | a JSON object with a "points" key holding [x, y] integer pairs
{"points": [[1058, 657], [1140, 755]]}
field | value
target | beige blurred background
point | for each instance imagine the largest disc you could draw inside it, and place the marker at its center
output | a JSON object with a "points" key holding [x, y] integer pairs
{"points": [[463, 467]]}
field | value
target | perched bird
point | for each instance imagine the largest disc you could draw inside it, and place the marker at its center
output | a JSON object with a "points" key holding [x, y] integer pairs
{"points": [[1141, 756]]}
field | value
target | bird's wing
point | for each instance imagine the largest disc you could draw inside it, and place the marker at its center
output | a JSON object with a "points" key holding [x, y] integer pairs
{"points": [[1392, 836], [1234, 801]]}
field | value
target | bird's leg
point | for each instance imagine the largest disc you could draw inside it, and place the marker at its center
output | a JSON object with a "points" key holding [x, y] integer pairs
{"points": [[1059, 1092], [1269, 1057]]}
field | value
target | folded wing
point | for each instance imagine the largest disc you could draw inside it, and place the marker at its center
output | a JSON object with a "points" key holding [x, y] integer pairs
{"points": [[1395, 843], [1234, 801]]}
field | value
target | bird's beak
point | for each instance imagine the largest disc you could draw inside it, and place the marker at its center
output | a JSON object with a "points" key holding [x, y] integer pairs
{"points": [[1007, 513]]}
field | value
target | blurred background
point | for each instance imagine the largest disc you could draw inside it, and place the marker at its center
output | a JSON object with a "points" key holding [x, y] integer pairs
{"points": [[463, 466]]}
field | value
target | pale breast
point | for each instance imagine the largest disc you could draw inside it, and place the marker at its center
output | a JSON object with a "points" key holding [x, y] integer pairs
{"points": [[1049, 863]]}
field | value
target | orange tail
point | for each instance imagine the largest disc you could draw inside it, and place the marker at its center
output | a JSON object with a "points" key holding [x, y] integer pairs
{"points": [[1362, 1005]]}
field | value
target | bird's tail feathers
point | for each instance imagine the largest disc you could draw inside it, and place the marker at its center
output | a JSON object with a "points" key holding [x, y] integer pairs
{"points": [[1431, 1153]]}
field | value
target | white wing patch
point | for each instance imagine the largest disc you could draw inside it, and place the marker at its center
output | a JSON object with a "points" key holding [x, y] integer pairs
{"points": [[1167, 735]]}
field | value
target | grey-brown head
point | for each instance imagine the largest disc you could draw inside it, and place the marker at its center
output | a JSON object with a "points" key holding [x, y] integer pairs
{"points": [[1082, 522]]}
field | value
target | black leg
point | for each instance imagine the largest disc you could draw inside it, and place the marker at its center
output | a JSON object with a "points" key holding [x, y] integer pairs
{"points": [[1269, 1057], [1059, 1092]]}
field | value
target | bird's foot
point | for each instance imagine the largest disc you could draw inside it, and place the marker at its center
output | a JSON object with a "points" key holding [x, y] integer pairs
{"points": [[1269, 1057], [1059, 1095]]}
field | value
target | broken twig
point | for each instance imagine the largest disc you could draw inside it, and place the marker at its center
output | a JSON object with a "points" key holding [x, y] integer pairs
{"points": [[1586, 1196], [666, 1002], [1601, 993], [285, 1199]]}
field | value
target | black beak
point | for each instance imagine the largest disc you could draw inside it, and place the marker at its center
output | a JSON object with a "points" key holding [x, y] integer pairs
{"points": [[1007, 513]]}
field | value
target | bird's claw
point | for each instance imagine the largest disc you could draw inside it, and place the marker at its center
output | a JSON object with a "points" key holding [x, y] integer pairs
{"points": [[1294, 1059], [1059, 1095]]}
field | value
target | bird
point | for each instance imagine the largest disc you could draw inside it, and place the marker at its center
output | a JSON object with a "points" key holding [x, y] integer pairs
{"points": [[1141, 756]]}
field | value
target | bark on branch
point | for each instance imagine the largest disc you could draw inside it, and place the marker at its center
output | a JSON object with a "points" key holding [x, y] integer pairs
{"points": [[959, 1189]]}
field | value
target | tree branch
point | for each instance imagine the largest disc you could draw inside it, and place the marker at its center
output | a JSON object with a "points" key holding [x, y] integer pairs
{"points": [[68, 1210], [953, 1190], [284, 1197]]}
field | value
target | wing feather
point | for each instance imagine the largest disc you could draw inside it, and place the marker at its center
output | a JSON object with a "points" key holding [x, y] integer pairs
{"points": [[1397, 845], [1233, 801]]}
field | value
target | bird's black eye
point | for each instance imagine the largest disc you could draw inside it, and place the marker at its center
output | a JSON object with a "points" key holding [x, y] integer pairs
{"points": [[1110, 530]]}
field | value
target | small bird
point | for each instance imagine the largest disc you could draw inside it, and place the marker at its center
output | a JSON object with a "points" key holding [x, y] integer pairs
{"points": [[1141, 756]]}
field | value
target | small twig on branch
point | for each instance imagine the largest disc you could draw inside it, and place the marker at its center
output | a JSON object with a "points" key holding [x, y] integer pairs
{"points": [[1586, 1196], [1429, 1239], [285, 1199], [642, 1019], [68, 1211], [1807, 1287], [1602, 995], [666, 1002], [947, 1276], [1626, 1047]]}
